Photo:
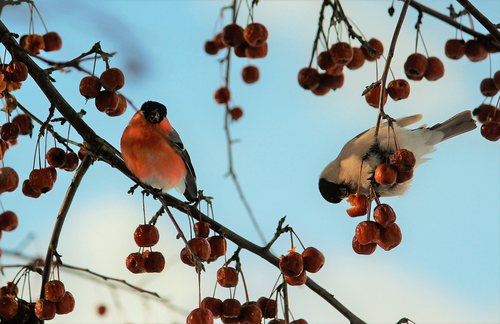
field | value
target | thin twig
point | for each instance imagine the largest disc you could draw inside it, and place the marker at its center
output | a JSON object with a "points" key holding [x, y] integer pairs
{"points": [[63, 212]]}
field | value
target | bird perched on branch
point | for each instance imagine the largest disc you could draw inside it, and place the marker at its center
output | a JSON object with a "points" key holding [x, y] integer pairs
{"points": [[359, 158], [154, 152]]}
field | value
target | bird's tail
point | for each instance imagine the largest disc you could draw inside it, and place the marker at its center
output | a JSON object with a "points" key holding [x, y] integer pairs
{"points": [[456, 125]]}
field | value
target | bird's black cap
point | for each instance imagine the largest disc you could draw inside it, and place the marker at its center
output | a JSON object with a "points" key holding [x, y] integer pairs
{"points": [[154, 111], [332, 192]]}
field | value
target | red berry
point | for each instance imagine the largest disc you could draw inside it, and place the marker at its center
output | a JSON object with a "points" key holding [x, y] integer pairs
{"points": [[386, 174], [384, 215], [435, 69], [222, 95], [491, 130], [71, 162], [342, 53], [56, 157], [488, 87], [361, 204], [255, 34], [325, 61], [28, 190], [398, 89], [314, 260], [146, 235], [101, 309], [292, 264], [240, 50], [415, 66], [120, 109], [34, 43], [8, 307], [309, 78], [52, 41], [9, 131], [403, 159], [236, 113], [363, 249], [18, 71], [136, 262], [201, 229], [185, 259], [66, 304], [358, 59], [227, 277], [367, 232], [8, 221], [24, 123], [256, 52], [404, 176], [214, 305], [377, 46], [201, 247], [112, 79], [232, 35], [90, 86], [211, 48], [475, 51], [299, 321], [200, 316], [231, 308], [217, 247], [218, 41], [154, 261], [250, 74], [9, 180], [390, 237], [107, 101], [372, 97], [54, 290], [250, 314], [45, 310], [485, 112], [496, 81], [454, 49], [268, 306]]}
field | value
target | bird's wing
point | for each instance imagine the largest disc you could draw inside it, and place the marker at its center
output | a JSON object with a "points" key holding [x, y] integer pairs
{"points": [[191, 191], [406, 121]]}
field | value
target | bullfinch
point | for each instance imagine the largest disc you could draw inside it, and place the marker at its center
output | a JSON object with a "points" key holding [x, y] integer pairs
{"points": [[341, 176], [154, 152]]}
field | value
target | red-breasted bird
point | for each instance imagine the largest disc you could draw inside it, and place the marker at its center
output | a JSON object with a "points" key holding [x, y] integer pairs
{"points": [[340, 177], [153, 151]]}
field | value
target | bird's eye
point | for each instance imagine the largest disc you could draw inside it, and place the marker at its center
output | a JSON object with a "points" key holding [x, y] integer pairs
{"points": [[332, 192]]}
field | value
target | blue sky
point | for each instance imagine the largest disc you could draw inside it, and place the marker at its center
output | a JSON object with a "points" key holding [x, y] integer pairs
{"points": [[447, 269]]}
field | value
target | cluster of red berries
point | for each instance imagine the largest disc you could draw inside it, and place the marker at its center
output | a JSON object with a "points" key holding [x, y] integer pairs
{"points": [[208, 249], [489, 116], [473, 49], [295, 266], [146, 236], [250, 42], [383, 232], [16, 310], [51, 41], [418, 66], [57, 301], [42, 180], [232, 311], [107, 100], [332, 62]]}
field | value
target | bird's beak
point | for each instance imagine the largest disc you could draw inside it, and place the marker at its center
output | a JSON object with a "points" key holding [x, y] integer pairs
{"points": [[154, 117], [344, 192]]}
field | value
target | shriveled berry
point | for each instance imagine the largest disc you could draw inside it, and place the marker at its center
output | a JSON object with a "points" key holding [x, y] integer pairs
{"points": [[250, 314], [372, 97], [475, 50], [8, 307], [112, 79], [314, 260], [214, 305], [309, 78], [488, 88], [255, 34], [231, 308], [28, 190], [435, 69], [367, 232], [42, 180], [232, 35], [250, 74], [211, 48], [201, 229], [222, 95], [236, 113], [45, 310], [398, 89], [9, 131], [415, 66], [291, 264], [154, 261], [360, 204], [90, 86], [390, 237], [136, 262], [256, 52], [24, 123], [454, 48], [52, 41], [384, 215], [120, 109], [377, 46], [358, 59], [342, 53], [200, 316], [325, 61], [107, 101], [491, 130], [71, 162], [201, 247], [404, 159], [297, 280], [217, 247], [9, 180]]}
